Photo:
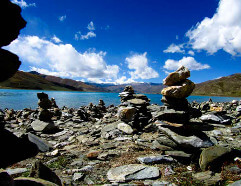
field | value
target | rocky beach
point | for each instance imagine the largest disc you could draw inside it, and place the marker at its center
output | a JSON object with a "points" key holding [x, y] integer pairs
{"points": [[134, 143]]}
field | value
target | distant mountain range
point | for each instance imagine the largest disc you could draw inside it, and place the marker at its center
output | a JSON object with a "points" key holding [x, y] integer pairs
{"points": [[225, 86]]}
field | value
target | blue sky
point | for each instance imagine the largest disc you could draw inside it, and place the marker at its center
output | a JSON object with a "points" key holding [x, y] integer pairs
{"points": [[125, 41]]}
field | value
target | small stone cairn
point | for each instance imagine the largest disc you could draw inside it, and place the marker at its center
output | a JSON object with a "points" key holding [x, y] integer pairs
{"points": [[133, 108], [44, 104], [174, 96]]}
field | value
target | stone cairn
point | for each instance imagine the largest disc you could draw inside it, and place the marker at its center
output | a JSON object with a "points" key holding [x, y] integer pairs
{"points": [[174, 96], [133, 108], [44, 104]]}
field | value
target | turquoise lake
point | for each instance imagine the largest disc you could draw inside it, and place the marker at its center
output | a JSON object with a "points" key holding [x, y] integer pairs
{"points": [[20, 99]]}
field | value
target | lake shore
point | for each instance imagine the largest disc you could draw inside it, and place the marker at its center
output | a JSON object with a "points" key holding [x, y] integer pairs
{"points": [[94, 144]]}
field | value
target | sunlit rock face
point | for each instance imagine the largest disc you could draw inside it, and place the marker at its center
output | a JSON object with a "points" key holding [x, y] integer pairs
{"points": [[11, 22]]}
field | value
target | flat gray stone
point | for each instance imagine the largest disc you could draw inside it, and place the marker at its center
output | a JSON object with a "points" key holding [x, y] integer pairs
{"points": [[178, 154], [16, 171], [236, 183], [77, 176], [190, 141], [155, 159], [42, 145], [41, 126], [132, 172]]}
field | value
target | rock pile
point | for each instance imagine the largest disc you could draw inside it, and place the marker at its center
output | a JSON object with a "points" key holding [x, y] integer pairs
{"points": [[133, 108], [176, 108], [44, 104]]}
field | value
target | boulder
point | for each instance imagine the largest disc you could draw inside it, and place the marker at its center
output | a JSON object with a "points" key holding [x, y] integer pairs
{"points": [[11, 22], [41, 126], [126, 114], [183, 90], [177, 76], [213, 157], [132, 172], [9, 64]]}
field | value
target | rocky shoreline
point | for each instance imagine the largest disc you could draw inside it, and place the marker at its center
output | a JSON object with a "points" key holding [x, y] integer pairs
{"points": [[135, 143]]}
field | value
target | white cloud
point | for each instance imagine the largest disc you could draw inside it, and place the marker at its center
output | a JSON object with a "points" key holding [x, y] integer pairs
{"points": [[88, 35], [188, 62], [222, 31], [22, 3], [190, 52], [61, 59], [139, 63], [91, 26], [56, 39], [62, 18], [174, 49]]}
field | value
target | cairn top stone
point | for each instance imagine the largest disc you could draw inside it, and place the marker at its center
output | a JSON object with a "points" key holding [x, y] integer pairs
{"points": [[129, 89], [179, 75]]}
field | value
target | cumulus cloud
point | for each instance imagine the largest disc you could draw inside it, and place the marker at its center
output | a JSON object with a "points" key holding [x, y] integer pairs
{"points": [[174, 49], [61, 59], [23, 4], [222, 31], [188, 62], [62, 18], [139, 63], [56, 39], [190, 52], [91, 26]]}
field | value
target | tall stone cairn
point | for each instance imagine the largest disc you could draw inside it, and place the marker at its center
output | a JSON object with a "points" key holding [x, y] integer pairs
{"points": [[44, 104], [179, 88]]}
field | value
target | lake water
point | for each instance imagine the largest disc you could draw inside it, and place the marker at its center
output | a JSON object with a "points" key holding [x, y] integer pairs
{"points": [[19, 99]]}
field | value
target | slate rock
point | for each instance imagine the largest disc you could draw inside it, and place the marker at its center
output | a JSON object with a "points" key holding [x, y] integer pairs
{"points": [[213, 157], [132, 172], [39, 170], [41, 126], [16, 171], [125, 128], [77, 176], [236, 183], [180, 74], [154, 159], [179, 154], [186, 141], [172, 115], [179, 91]]}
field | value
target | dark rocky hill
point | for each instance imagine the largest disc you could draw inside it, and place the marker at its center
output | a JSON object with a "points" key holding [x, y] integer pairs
{"points": [[225, 86]]}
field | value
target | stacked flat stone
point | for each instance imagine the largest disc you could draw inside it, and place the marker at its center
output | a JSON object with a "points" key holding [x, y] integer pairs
{"points": [[127, 94], [44, 104], [133, 108], [179, 87]]}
